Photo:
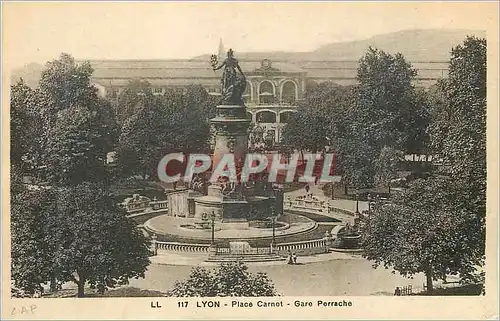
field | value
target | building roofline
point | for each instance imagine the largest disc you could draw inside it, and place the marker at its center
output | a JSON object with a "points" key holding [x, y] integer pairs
{"points": [[291, 61]]}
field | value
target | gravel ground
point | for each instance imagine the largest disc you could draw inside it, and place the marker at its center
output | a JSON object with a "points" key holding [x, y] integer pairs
{"points": [[328, 278]]}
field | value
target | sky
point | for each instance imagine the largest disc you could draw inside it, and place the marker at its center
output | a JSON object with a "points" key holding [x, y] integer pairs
{"points": [[38, 32]]}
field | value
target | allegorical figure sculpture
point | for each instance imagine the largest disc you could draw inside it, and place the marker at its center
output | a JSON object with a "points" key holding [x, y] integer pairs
{"points": [[233, 80]]}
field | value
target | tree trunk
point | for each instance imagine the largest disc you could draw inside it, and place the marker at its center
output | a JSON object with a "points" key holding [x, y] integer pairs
{"points": [[428, 276], [389, 188], [345, 190], [81, 287], [53, 283]]}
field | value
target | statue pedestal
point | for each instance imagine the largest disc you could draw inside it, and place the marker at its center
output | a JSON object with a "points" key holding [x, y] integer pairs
{"points": [[231, 124]]}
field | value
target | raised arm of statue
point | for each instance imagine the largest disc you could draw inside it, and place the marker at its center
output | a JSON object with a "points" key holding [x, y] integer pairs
{"points": [[221, 65]]}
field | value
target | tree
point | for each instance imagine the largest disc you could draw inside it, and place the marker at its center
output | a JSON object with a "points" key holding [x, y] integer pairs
{"points": [[20, 121], [387, 165], [385, 97], [458, 134], [130, 99], [79, 126], [437, 226], [385, 102], [66, 83], [191, 127], [142, 137], [97, 243], [75, 150], [174, 122], [417, 127], [357, 156], [319, 121], [459, 124], [229, 279], [32, 247], [25, 127], [423, 231], [74, 234]]}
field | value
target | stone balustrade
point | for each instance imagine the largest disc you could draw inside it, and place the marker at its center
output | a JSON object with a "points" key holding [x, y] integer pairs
{"points": [[314, 204], [158, 205], [249, 251], [181, 247], [301, 248], [304, 247]]}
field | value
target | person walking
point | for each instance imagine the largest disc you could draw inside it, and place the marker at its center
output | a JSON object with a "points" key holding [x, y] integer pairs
{"points": [[294, 258], [397, 291], [290, 258]]}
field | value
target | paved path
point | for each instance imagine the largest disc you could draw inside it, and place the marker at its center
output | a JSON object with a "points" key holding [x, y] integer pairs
{"points": [[195, 259], [349, 276]]}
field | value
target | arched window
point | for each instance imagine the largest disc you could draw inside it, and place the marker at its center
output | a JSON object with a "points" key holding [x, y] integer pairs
{"points": [[266, 92], [289, 92], [266, 117], [286, 116], [249, 115]]}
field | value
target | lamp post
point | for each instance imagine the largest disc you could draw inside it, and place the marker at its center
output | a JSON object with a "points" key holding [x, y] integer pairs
{"points": [[153, 243], [357, 201], [273, 219], [212, 217]]}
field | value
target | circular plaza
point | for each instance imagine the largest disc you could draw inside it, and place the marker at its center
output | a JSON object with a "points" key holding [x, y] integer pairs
{"points": [[289, 227]]}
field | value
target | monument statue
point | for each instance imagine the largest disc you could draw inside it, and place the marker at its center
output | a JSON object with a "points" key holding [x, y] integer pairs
{"points": [[233, 80]]}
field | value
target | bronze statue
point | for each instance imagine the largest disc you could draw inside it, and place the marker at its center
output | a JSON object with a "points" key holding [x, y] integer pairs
{"points": [[233, 80]]}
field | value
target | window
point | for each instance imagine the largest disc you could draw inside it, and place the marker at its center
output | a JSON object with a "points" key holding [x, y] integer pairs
{"points": [[289, 92], [266, 92], [266, 117], [286, 116]]}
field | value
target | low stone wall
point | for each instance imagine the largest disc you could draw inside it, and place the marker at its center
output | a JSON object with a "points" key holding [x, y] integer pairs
{"points": [[143, 217]]}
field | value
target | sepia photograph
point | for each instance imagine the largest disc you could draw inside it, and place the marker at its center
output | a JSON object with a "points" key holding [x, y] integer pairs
{"points": [[246, 159]]}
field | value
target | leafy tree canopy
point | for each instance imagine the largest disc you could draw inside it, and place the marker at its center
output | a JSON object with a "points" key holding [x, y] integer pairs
{"points": [[229, 279], [423, 230]]}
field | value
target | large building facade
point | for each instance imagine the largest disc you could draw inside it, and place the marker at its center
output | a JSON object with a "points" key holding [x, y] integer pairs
{"points": [[273, 89]]}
